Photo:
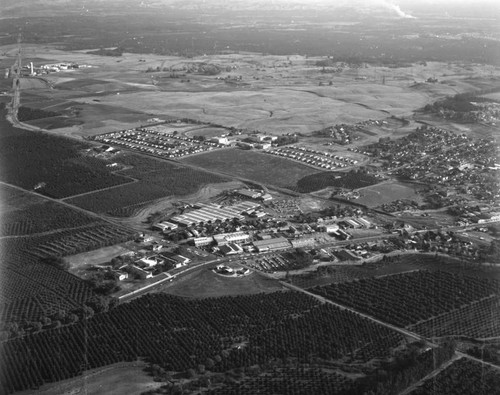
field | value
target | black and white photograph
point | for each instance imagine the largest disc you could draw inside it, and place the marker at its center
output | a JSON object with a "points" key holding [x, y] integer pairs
{"points": [[249, 197]]}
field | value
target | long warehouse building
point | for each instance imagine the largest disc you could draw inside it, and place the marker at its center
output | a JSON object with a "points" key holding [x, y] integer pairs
{"points": [[213, 212]]}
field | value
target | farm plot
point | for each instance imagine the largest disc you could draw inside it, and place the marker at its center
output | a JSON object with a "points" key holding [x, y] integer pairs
{"points": [[255, 166], [478, 320], [46, 162], [75, 241], [42, 217], [25, 214], [157, 179], [220, 333], [35, 291], [463, 377], [405, 299], [31, 289], [351, 180]]}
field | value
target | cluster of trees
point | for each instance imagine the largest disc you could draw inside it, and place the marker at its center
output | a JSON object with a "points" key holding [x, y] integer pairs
{"points": [[118, 51], [464, 376], [286, 139], [461, 107], [56, 261], [299, 258], [28, 114]]}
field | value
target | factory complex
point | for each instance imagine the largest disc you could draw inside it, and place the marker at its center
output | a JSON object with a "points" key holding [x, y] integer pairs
{"points": [[212, 212]]}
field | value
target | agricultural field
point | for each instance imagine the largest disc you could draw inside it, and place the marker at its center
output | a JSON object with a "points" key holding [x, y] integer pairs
{"points": [[49, 228], [32, 289], [38, 291], [331, 274], [405, 299], [219, 334], [477, 320], [51, 165], [463, 377], [35, 229], [36, 215], [261, 168], [350, 180], [155, 179]]}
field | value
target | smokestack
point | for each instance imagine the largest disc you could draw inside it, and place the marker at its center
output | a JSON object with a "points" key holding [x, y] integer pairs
{"points": [[31, 68]]}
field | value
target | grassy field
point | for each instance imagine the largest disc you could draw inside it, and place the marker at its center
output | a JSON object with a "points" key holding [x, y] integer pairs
{"points": [[254, 166], [118, 93], [205, 283], [321, 180], [376, 195], [119, 378]]}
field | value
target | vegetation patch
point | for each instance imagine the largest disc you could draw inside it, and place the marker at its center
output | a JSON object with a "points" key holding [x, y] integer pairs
{"points": [[266, 169], [215, 334], [28, 114], [477, 320], [156, 179], [351, 180], [408, 298], [46, 163], [462, 377]]}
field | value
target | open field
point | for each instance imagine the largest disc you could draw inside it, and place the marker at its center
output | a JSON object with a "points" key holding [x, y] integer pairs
{"points": [[119, 378], [376, 195], [137, 216], [205, 283], [321, 180], [277, 94], [254, 166]]}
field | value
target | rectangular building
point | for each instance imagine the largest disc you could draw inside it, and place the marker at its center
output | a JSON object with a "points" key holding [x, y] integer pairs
{"points": [[235, 237], [279, 243]]}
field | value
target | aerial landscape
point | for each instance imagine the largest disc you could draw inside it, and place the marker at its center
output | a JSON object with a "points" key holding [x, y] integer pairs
{"points": [[249, 197]]}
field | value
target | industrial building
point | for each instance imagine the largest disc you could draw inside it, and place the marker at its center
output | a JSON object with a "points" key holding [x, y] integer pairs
{"points": [[165, 226], [248, 193], [329, 228], [202, 241], [214, 212], [176, 260], [279, 243], [235, 237]]}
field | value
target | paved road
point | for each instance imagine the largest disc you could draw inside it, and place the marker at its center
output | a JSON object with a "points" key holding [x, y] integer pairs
{"points": [[149, 287]]}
